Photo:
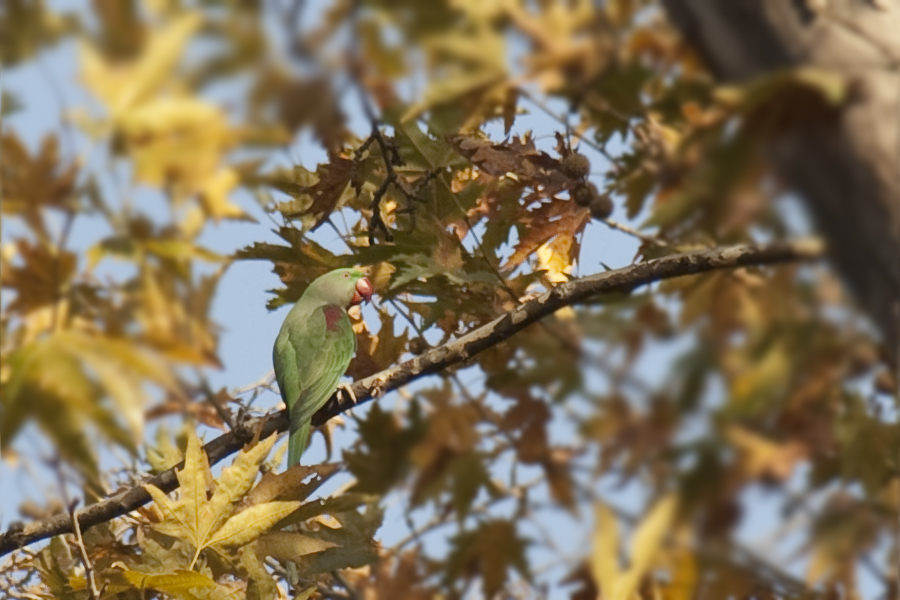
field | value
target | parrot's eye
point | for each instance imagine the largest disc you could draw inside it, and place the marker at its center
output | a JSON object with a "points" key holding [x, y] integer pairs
{"points": [[346, 275]]}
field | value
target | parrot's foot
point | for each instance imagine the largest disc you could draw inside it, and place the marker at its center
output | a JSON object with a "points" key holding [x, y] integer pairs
{"points": [[377, 389], [345, 388]]}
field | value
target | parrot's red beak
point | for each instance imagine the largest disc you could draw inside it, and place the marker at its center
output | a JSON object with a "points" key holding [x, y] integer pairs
{"points": [[363, 291]]}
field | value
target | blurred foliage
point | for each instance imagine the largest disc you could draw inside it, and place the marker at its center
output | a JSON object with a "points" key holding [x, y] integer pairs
{"points": [[760, 378]]}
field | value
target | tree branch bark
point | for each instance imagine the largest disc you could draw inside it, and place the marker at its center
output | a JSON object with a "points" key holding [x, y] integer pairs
{"points": [[848, 171], [435, 360]]}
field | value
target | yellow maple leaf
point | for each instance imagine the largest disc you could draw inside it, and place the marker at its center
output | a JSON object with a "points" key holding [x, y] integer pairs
{"points": [[178, 141], [553, 257], [209, 522], [124, 85], [214, 196], [646, 546]]}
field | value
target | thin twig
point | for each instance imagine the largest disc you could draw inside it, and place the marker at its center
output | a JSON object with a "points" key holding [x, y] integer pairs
{"points": [[264, 382], [390, 156], [220, 410], [93, 592], [649, 239]]}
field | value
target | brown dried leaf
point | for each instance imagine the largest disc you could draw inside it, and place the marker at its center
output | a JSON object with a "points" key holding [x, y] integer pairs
{"points": [[290, 485], [334, 177], [490, 551], [30, 183], [41, 279], [561, 218]]}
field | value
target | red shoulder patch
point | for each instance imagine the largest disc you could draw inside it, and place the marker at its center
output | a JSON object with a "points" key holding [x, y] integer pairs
{"points": [[332, 317]]}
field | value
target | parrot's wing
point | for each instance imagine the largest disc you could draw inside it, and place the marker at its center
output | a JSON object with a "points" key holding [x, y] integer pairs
{"points": [[310, 359], [284, 359], [322, 360]]}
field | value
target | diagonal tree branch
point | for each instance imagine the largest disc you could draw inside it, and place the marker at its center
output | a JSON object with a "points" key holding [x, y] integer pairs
{"points": [[433, 361]]}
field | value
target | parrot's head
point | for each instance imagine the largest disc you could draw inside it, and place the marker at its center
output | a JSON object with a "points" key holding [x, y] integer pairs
{"points": [[343, 287]]}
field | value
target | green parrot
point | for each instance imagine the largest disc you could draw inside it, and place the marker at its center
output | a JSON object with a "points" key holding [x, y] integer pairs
{"points": [[314, 348]]}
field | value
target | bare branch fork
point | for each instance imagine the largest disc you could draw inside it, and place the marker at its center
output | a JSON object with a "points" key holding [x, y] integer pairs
{"points": [[433, 361]]}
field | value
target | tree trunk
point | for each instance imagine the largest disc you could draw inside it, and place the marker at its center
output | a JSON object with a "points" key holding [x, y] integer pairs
{"points": [[848, 172]]}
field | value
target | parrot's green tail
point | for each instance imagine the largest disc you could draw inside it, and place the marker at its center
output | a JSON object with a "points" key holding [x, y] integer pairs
{"points": [[296, 445]]}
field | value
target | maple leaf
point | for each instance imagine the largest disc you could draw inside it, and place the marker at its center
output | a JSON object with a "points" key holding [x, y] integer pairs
{"points": [[60, 379], [529, 417], [122, 87], [187, 585], [205, 522], [561, 219], [518, 155], [56, 567], [381, 457], [376, 352], [352, 539], [494, 159], [469, 68], [214, 196], [331, 534], [489, 551], [30, 183], [297, 483], [334, 177], [314, 194], [176, 140], [42, 277], [180, 330], [647, 540], [313, 102], [395, 577], [260, 584]]}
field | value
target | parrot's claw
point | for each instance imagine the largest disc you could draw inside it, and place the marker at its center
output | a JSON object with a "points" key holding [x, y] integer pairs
{"points": [[345, 388], [377, 390]]}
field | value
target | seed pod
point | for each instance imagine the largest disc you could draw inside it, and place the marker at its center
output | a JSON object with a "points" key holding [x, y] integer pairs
{"points": [[584, 192], [575, 166], [601, 206], [417, 345]]}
